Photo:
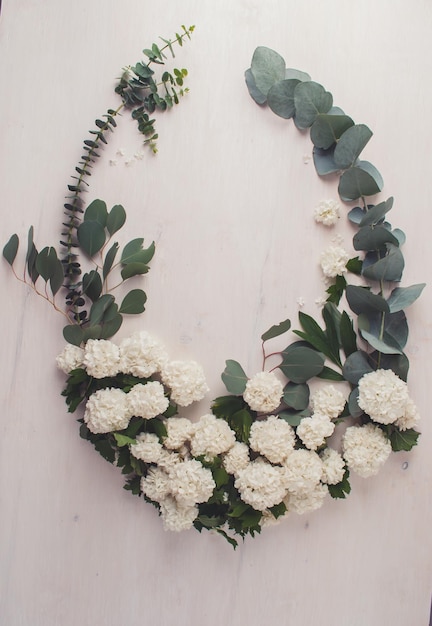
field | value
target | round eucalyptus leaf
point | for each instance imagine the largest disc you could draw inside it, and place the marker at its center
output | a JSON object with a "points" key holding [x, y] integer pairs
{"points": [[396, 328], [254, 92], [133, 303], [356, 366], [362, 179], [110, 327], [234, 377], [373, 238], [267, 67], [115, 219], [11, 248], [324, 161], [310, 100], [73, 334], [385, 347], [296, 396], [353, 406], [297, 74], [356, 215], [376, 213], [350, 145], [362, 300], [280, 98], [327, 129], [301, 364], [390, 268]]}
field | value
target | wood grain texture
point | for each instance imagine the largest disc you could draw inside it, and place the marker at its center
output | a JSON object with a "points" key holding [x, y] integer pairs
{"points": [[229, 202]]}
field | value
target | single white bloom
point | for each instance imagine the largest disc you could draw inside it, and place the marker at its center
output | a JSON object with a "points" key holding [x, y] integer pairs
{"points": [[306, 158], [314, 430], [274, 438], [365, 449], [70, 358], [328, 401], [101, 358], [263, 392], [320, 302], [306, 501], [191, 482], [147, 400], [333, 261], [186, 380], [121, 152], [156, 485], [261, 485], [179, 430], [211, 436], [177, 517], [139, 155], [303, 471], [383, 396], [106, 411], [300, 302], [147, 448], [333, 466], [327, 212], [237, 458], [168, 459], [142, 355]]}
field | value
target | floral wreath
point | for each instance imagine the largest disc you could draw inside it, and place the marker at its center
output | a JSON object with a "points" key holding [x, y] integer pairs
{"points": [[268, 448]]}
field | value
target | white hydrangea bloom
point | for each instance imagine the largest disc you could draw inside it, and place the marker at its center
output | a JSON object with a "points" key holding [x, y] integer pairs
{"points": [[303, 471], [327, 212], [168, 459], [106, 411], [211, 436], [179, 430], [237, 458], [273, 438], [333, 261], [191, 483], [177, 517], [147, 400], [365, 449], [306, 501], [328, 400], [333, 467], [156, 485], [147, 448], [101, 358], [141, 355], [261, 485], [314, 430], [383, 396], [70, 358], [410, 418], [263, 392], [186, 380]]}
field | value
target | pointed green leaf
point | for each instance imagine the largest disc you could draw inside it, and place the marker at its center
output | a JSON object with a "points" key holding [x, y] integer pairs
{"points": [[241, 422], [91, 237], [350, 145], [276, 330], [123, 440], [373, 238], [133, 303], [11, 248], [116, 219], [109, 259], [314, 335], [402, 297], [99, 308], [57, 278], [328, 373], [376, 213], [390, 268], [362, 300], [348, 335], [92, 285], [234, 377]]}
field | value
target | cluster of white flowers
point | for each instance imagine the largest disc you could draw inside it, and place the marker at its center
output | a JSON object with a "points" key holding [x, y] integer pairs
{"points": [[141, 355], [327, 212], [333, 466], [147, 400], [333, 261], [263, 392], [70, 358], [101, 358], [186, 380], [365, 449], [106, 411], [328, 401], [211, 436], [261, 484], [314, 430], [384, 397], [273, 438]]}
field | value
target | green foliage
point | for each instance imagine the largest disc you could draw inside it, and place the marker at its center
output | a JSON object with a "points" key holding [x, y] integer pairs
{"points": [[276, 330], [10, 249], [234, 377], [296, 396], [300, 363], [342, 489]]}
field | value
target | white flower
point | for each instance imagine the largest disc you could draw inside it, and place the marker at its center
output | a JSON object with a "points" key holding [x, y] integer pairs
{"points": [[410, 418], [191, 483], [101, 358], [156, 485], [333, 467], [261, 485], [328, 401], [147, 448], [383, 396], [70, 358], [301, 302], [179, 430], [303, 471], [274, 438], [186, 380], [237, 458], [327, 212], [176, 517], [263, 392], [147, 400], [320, 302], [106, 410], [333, 261], [211, 436], [314, 430], [306, 501], [141, 355], [168, 459], [121, 152], [365, 449]]}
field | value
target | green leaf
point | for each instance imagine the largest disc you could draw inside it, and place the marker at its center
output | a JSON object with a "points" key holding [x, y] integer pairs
{"points": [[402, 297], [297, 74], [96, 212], [92, 285], [11, 248], [403, 440], [355, 266], [46, 262], [280, 98], [327, 129], [116, 218], [362, 300], [57, 277], [310, 100], [109, 259], [398, 363], [234, 377], [91, 237], [225, 406], [390, 268], [301, 363], [73, 334], [276, 330], [133, 252], [317, 337], [353, 406], [376, 213], [31, 256], [134, 269], [373, 238], [340, 489], [350, 145], [254, 92], [104, 448], [294, 418], [267, 68], [131, 248], [379, 344], [99, 308], [348, 335], [328, 373], [363, 179], [123, 440], [324, 161], [133, 302], [296, 396], [355, 366], [111, 326]]}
